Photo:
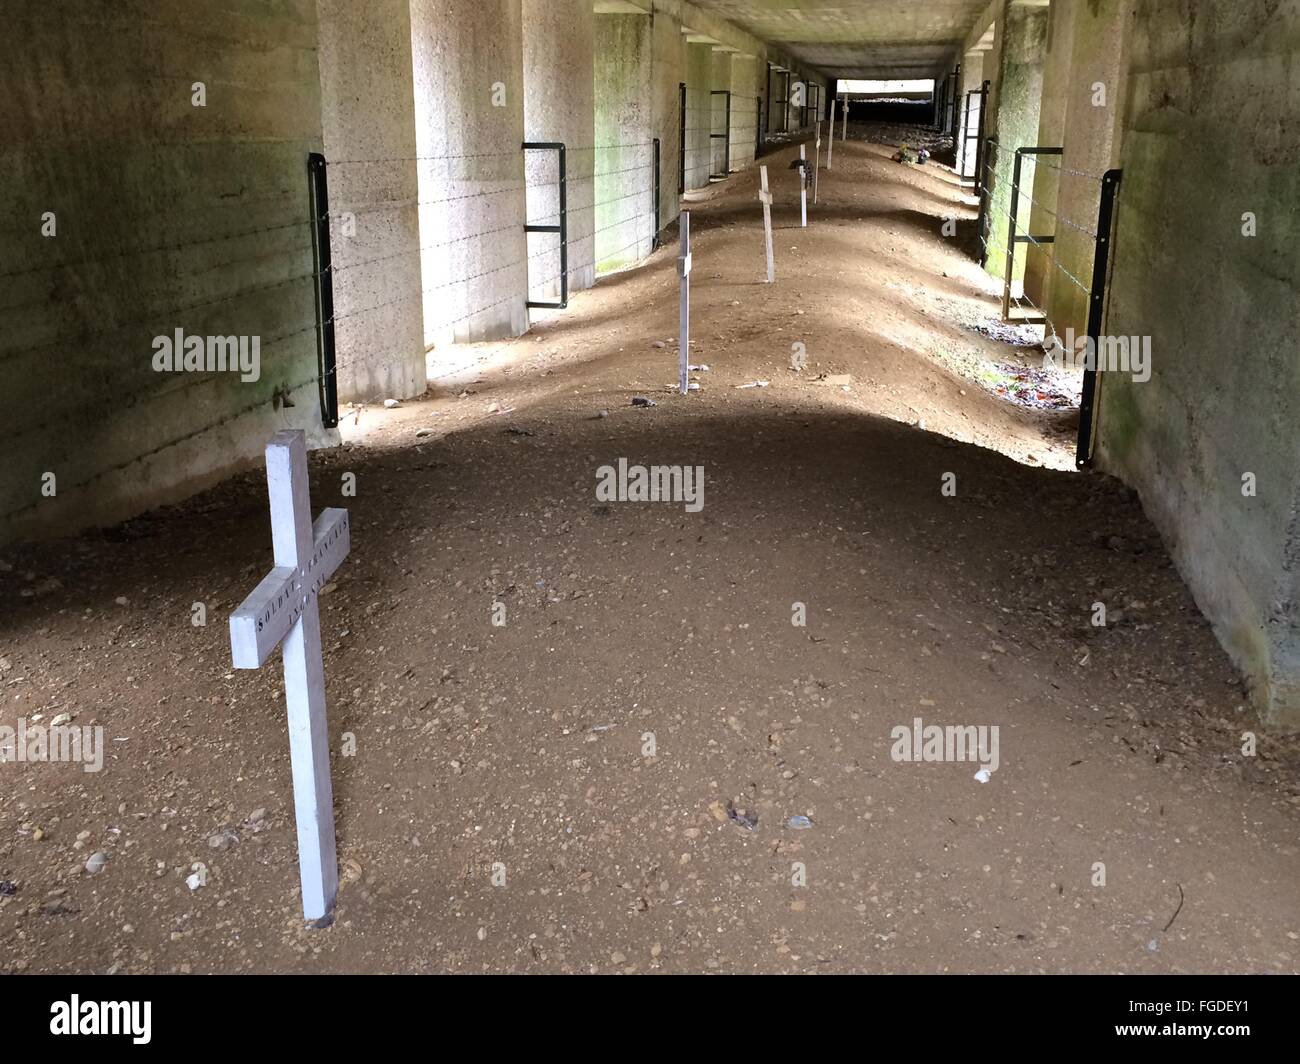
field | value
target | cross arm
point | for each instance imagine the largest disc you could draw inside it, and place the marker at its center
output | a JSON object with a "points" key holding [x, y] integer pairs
{"points": [[264, 618]]}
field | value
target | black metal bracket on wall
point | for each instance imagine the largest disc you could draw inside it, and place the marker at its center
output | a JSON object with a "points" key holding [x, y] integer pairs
{"points": [[1014, 237], [979, 144], [681, 138], [562, 229], [726, 135], [1101, 262], [965, 135], [654, 244], [981, 188], [326, 354], [956, 93]]}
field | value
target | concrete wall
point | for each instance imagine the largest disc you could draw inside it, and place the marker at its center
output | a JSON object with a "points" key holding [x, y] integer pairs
{"points": [[469, 111], [1211, 134], [168, 216], [368, 111], [559, 105]]}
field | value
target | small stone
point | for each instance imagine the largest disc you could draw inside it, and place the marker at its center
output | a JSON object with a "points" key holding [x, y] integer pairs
{"points": [[422, 433], [617, 958], [61, 719], [38, 834], [391, 403], [120, 600], [96, 861]]}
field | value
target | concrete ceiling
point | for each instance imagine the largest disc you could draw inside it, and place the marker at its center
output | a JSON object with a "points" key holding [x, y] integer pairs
{"points": [[874, 39]]}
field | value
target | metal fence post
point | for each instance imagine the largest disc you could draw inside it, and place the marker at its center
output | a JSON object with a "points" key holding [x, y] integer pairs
{"points": [[1096, 314], [326, 354], [654, 244]]}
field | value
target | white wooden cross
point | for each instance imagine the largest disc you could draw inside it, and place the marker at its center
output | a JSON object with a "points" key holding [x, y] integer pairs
{"points": [[765, 197], [684, 310], [283, 610]]}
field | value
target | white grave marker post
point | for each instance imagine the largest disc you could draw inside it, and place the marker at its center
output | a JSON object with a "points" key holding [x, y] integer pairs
{"points": [[830, 142], [766, 198], [803, 186], [283, 610], [684, 314], [817, 160]]}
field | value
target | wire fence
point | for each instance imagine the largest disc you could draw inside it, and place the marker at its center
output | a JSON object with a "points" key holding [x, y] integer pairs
{"points": [[1017, 224], [443, 234]]}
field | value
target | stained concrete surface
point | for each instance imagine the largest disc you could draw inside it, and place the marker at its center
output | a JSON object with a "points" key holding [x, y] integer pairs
{"points": [[166, 215]]}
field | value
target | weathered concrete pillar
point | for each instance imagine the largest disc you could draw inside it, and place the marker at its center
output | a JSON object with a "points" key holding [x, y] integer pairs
{"points": [[1044, 174], [968, 110], [469, 109], [139, 201], [745, 91], [368, 111], [1021, 47], [699, 114], [624, 156], [668, 74], [559, 105], [1207, 266], [1097, 88]]}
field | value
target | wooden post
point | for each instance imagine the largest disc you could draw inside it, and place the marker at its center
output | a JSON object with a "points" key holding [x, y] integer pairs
{"points": [[766, 198], [846, 119], [684, 314], [803, 187]]}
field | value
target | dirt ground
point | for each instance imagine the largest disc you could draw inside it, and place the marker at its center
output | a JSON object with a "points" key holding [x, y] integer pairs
{"points": [[522, 749]]}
